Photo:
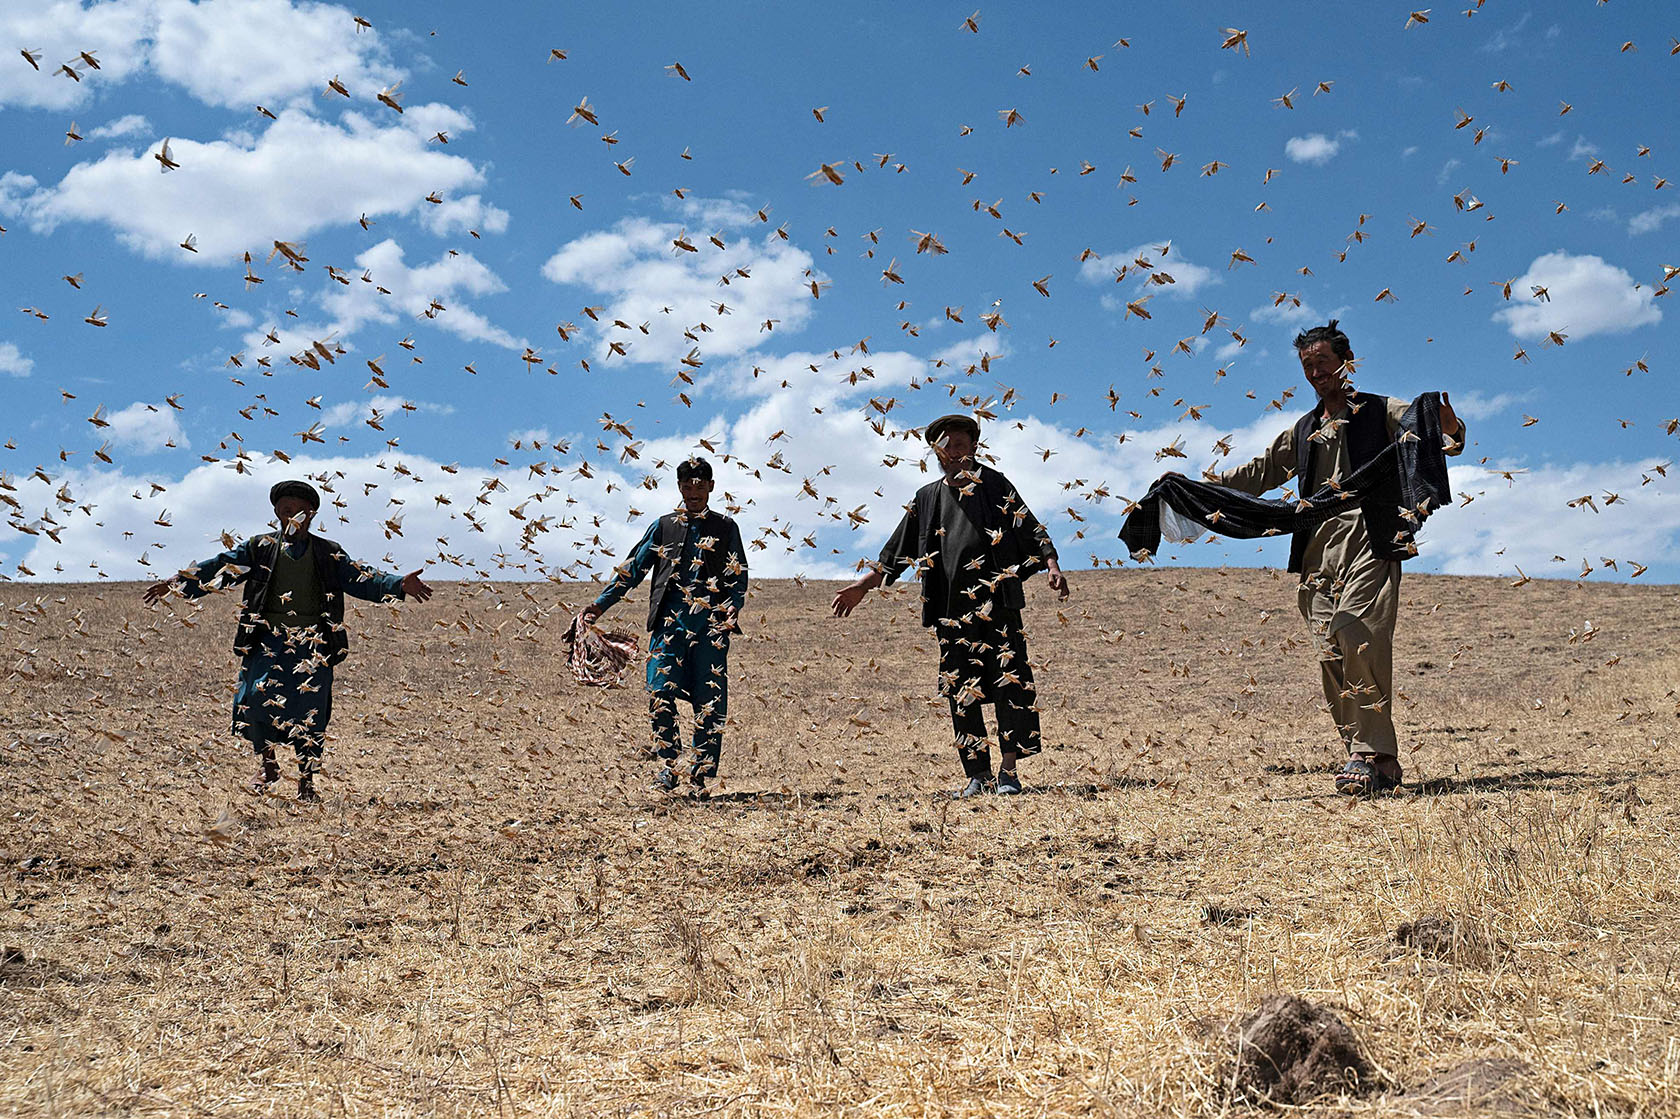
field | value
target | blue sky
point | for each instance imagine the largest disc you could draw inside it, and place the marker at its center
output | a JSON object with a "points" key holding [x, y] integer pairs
{"points": [[472, 459]]}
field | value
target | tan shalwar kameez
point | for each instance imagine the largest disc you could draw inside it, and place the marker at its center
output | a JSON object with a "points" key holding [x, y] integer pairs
{"points": [[1348, 596]]}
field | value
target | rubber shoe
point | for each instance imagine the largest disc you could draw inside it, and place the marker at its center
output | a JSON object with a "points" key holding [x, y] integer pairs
{"points": [[666, 781], [974, 788], [1008, 785]]}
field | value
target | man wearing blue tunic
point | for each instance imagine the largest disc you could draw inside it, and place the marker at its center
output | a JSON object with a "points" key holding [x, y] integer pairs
{"points": [[291, 629], [699, 569]]}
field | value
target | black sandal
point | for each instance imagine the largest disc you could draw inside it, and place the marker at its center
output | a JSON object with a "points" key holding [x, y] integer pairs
{"points": [[1359, 778]]}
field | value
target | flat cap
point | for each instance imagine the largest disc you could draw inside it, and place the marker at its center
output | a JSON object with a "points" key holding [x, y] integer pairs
{"points": [[293, 487], [955, 422]]}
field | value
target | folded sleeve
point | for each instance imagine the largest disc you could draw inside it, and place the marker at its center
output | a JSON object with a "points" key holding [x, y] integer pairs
{"points": [[629, 574], [191, 580], [1268, 470], [361, 580], [899, 552]]}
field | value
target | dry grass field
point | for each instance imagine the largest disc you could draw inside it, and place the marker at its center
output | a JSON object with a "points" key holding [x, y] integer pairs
{"points": [[493, 914]]}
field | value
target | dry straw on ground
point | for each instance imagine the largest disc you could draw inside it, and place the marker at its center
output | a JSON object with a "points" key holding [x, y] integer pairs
{"points": [[493, 915]]}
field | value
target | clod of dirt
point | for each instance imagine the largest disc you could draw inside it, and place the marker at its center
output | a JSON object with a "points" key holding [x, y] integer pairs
{"points": [[1289, 1051], [1448, 938], [1481, 1086]]}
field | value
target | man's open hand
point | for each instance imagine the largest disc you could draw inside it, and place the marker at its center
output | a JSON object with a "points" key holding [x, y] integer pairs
{"points": [[414, 588], [1058, 581], [847, 599]]}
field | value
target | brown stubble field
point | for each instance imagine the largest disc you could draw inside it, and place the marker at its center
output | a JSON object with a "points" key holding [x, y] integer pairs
{"points": [[492, 913]]}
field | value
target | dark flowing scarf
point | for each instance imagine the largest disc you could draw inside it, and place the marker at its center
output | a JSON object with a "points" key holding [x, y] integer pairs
{"points": [[1416, 460]]}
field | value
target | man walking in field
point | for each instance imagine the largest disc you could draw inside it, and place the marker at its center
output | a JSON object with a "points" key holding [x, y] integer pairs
{"points": [[291, 629], [1349, 563], [699, 569], [974, 542]]}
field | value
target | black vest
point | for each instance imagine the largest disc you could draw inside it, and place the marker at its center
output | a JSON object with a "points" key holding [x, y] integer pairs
{"points": [[1367, 436], [672, 534], [996, 508], [251, 624]]}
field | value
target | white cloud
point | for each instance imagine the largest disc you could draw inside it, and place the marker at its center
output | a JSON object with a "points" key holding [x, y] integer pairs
{"points": [[1188, 277], [1447, 170], [1506, 37], [1525, 522], [534, 435], [970, 351], [15, 191], [1649, 221], [145, 427], [458, 215], [348, 412], [1588, 296], [1552, 140], [132, 124], [645, 280], [302, 174], [1315, 148], [1582, 148], [1474, 405], [236, 53], [13, 362], [1286, 313], [228, 53], [59, 31], [412, 291]]}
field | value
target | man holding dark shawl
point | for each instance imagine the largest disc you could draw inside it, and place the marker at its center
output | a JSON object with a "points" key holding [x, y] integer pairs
{"points": [[974, 542], [1369, 468], [291, 629]]}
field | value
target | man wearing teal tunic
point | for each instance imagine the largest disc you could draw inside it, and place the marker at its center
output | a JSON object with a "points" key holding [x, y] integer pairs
{"points": [[291, 629], [699, 572]]}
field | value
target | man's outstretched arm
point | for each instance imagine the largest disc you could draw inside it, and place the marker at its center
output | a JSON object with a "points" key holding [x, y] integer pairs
{"points": [[895, 557], [190, 580], [1268, 470], [626, 577]]}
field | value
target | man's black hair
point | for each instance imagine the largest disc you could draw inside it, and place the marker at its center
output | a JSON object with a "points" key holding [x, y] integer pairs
{"points": [[1327, 333], [694, 467]]}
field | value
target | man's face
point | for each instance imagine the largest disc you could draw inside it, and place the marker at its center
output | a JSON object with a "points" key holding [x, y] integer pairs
{"points": [[954, 448], [1325, 371], [294, 515], [695, 492]]}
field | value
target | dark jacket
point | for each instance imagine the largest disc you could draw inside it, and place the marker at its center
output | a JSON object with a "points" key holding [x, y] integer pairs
{"points": [[1021, 547], [251, 563], [1380, 503], [1408, 474], [723, 565]]}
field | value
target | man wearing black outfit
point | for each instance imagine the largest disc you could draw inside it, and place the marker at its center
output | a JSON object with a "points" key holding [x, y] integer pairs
{"points": [[974, 542]]}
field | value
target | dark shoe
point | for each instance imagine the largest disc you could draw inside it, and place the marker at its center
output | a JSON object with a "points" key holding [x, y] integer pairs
{"points": [[1008, 785], [666, 781], [306, 791], [1361, 777], [269, 774], [974, 788]]}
